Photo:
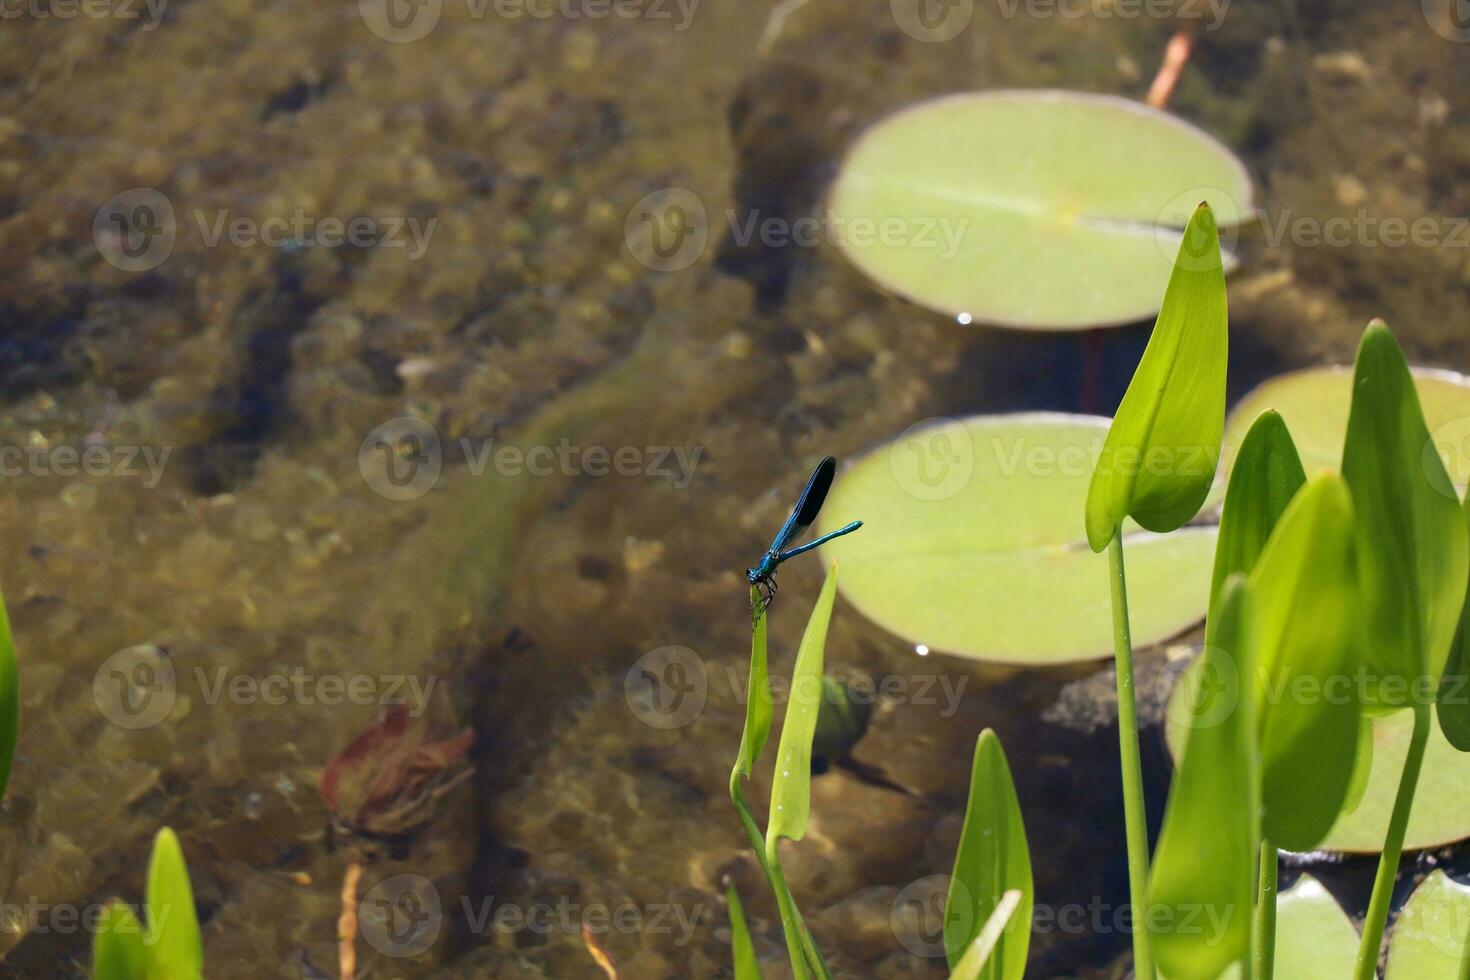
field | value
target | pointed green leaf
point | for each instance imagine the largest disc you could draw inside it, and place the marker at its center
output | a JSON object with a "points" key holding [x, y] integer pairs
{"points": [[1414, 553], [1267, 475], [1203, 864], [173, 925], [1159, 459], [9, 698], [1306, 606], [1429, 936], [791, 789], [1314, 937], [1454, 691], [747, 967], [118, 952], [758, 707], [992, 859], [972, 965]]}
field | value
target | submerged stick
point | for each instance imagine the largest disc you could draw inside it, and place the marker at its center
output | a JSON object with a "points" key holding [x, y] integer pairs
{"points": [[347, 923], [1176, 56]]}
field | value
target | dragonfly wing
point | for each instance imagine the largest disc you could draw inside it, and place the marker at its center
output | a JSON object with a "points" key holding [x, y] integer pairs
{"points": [[808, 505]]}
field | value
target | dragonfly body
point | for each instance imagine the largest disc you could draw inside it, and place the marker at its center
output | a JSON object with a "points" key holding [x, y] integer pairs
{"points": [[763, 575]]}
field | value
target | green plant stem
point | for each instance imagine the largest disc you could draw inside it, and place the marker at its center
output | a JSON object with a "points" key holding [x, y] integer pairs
{"points": [[1393, 849], [1265, 937], [772, 870], [747, 821], [790, 919], [1134, 814]]}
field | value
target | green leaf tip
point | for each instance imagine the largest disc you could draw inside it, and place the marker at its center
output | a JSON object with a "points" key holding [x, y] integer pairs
{"points": [[118, 952], [1266, 476], [992, 860], [1159, 460], [173, 924], [742, 948], [1413, 548]]}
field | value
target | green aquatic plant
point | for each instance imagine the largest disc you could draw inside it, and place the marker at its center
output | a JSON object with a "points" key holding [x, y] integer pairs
{"points": [[992, 872], [987, 923], [168, 947], [1030, 209], [1414, 557], [1370, 585], [747, 966], [1207, 844], [1316, 579], [1316, 938], [1428, 940], [1157, 467]]}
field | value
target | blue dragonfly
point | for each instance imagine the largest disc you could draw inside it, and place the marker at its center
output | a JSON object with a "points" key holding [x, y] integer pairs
{"points": [[763, 575]]}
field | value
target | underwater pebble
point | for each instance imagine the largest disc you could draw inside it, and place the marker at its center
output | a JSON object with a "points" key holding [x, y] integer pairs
{"points": [[1346, 66], [1349, 190], [1433, 110], [641, 555]]}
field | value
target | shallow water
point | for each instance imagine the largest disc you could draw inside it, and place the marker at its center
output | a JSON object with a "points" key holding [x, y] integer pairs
{"points": [[244, 523]]}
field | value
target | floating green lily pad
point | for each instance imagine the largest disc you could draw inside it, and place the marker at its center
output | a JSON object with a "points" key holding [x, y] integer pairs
{"points": [[1439, 816], [1315, 404], [973, 544], [1043, 210], [1314, 937], [1428, 940]]}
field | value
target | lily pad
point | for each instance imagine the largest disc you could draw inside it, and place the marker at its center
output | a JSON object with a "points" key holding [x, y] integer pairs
{"points": [[1314, 937], [1428, 941], [1439, 816], [1043, 210], [1315, 402], [973, 544]]}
